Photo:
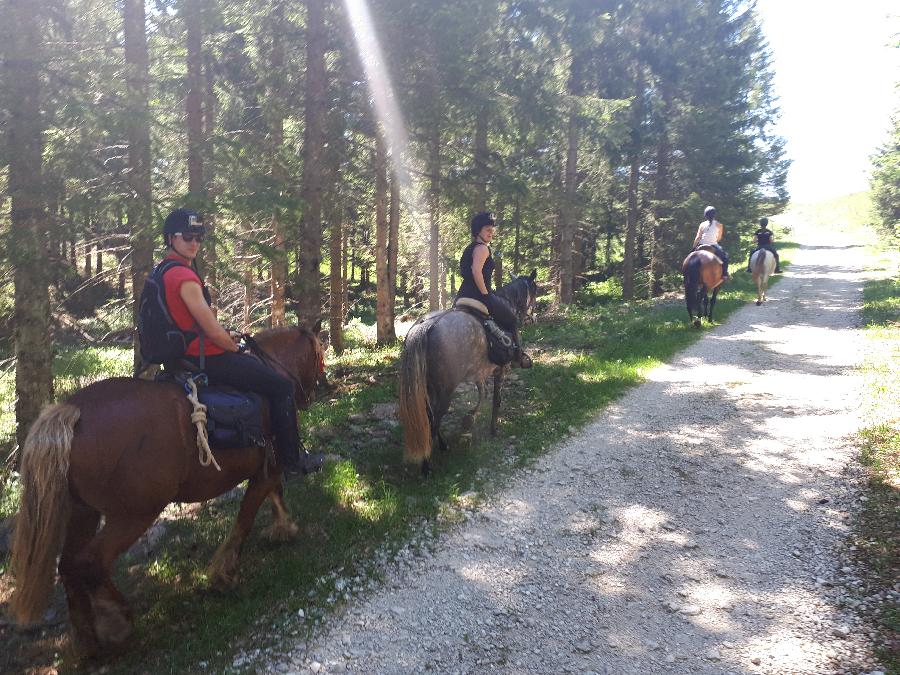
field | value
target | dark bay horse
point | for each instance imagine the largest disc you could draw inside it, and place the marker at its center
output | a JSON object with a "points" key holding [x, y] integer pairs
{"points": [[122, 449], [702, 278], [441, 351]]}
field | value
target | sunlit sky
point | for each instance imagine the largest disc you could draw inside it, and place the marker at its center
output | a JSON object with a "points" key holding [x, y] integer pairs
{"points": [[836, 71]]}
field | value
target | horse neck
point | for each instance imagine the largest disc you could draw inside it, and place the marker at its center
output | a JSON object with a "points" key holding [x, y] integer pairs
{"points": [[510, 293]]}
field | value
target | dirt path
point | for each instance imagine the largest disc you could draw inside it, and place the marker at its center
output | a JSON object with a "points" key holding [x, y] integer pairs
{"points": [[692, 527]]}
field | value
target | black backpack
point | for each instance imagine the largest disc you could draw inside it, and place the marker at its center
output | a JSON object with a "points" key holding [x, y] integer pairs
{"points": [[161, 339]]}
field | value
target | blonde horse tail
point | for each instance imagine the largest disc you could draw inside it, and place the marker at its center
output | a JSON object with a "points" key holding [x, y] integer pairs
{"points": [[414, 397], [44, 510]]}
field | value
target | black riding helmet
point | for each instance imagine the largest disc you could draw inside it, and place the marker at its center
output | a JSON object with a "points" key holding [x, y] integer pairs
{"points": [[480, 220], [763, 222], [183, 221], [709, 212]]}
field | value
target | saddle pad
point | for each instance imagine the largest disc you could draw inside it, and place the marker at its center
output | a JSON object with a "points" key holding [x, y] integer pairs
{"points": [[471, 303]]}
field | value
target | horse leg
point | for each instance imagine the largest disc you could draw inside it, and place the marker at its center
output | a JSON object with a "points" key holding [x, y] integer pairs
{"points": [[712, 302], [93, 566], [81, 528], [495, 408], [283, 528], [469, 420], [222, 570]]}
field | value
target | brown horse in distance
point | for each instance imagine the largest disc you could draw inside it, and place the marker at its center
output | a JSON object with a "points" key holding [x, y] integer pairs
{"points": [[702, 278], [123, 449]]}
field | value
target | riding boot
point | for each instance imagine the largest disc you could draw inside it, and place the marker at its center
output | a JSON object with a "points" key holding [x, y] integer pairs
{"points": [[725, 270], [307, 464]]}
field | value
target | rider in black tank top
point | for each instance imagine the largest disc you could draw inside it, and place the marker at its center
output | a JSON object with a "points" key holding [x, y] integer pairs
{"points": [[468, 289], [482, 232]]}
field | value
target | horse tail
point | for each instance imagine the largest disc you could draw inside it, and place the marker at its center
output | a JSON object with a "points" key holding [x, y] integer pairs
{"points": [[692, 283], [414, 396], [43, 511]]}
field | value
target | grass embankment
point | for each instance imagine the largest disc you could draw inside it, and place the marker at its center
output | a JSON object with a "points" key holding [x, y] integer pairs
{"points": [[877, 535], [365, 505]]}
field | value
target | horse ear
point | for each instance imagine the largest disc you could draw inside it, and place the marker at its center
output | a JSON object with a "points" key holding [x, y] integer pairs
{"points": [[533, 275], [317, 328]]}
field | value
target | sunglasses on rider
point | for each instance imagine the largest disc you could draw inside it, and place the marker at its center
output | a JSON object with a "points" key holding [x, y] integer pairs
{"points": [[191, 237]]}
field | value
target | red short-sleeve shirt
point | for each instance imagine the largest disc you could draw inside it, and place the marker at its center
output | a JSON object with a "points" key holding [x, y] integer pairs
{"points": [[173, 280]]}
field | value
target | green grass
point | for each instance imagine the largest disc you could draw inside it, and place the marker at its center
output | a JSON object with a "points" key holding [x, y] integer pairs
{"points": [[877, 532], [366, 505]]}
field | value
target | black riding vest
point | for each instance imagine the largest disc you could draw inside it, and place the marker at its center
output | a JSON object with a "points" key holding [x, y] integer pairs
{"points": [[763, 237], [468, 289]]}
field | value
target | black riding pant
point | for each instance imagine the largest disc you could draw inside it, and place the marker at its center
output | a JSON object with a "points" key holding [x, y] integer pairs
{"points": [[503, 314], [720, 253], [768, 247], [248, 373]]}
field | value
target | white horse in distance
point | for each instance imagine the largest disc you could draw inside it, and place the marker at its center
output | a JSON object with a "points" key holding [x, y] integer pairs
{"points": [[762, 264]]}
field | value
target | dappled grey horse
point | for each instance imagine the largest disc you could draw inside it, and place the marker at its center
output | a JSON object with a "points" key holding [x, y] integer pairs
{"points": [[441, 351]]}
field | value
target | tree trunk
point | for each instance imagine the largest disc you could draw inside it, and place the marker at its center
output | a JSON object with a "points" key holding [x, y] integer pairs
{"points": [[393, 238], [660, 212], [384, 298], [434, 234], [279, 173], [310, 291], [631, 219], [194, 103], [88, 229], [481, 159], [98, 235], [634, 179], [568, 214], [336, 313], [24, 139], [517, 224], [209, 124], [137, 123]]}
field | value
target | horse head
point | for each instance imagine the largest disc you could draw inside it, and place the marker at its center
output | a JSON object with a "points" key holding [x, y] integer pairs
{"points": [[521, 293]]}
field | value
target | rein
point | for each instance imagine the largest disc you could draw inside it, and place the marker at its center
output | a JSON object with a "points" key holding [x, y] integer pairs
{"points": [[271, 361]]}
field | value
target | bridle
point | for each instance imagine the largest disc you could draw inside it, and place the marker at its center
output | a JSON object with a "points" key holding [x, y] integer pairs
{"points": [[271, 361]]}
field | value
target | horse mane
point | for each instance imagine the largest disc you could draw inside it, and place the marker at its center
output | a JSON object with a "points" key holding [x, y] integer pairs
{"points": [[515, 293]]}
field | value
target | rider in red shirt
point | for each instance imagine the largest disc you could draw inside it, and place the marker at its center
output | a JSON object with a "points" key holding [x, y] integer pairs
{"points": [[215, 352]]}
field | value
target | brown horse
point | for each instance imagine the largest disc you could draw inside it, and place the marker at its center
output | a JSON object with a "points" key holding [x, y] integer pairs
{"points": [[702, 276], [122, 450]]}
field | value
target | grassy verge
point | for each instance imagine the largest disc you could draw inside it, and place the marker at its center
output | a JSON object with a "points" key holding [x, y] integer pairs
{"points": [[877, 534], [365, 507]]}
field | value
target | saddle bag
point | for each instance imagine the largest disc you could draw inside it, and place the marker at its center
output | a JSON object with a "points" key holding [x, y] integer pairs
{"points": [[234, 419], [501, 346]]}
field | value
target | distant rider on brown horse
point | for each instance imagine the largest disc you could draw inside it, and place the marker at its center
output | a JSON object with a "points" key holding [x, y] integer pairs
{"points": [[764, 237], [476, 267], [709, 234], [221, 358]]}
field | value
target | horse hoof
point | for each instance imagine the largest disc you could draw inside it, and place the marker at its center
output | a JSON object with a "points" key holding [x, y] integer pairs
{"points": [[111, 623], [426, 468], [758, 303], [696, 323], [281, 531], [468, 422]]}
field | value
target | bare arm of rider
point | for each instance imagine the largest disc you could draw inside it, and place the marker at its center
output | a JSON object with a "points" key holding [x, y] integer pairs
{"points": [[720, 231], [192, 295], [699, 234], [479, 255]]}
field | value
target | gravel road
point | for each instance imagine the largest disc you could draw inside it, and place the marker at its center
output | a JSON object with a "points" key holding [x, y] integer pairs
{"points": [[692, 527]]}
